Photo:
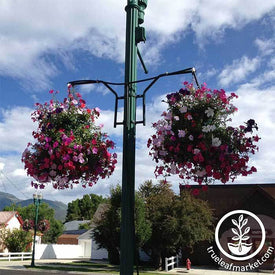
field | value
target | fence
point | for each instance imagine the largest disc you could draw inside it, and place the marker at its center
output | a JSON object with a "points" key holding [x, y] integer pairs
{"points": [[15, 256], [172, 261], [59, 251]]}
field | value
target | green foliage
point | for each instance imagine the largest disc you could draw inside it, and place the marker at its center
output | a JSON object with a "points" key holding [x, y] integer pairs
{"points": [[107, 230], [56, 229], [178, 222], [143, 229], [165, 223], [84, 226], [159, 204], [28, 212], [194, 220], [16, 240], [83, 209]]}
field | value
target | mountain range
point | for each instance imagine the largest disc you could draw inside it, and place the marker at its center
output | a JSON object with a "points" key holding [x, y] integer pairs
{"points": [[60, 208]]}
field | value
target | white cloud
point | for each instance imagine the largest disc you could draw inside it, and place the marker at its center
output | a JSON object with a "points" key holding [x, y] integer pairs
{"points": [[15, 129], [18, 172], [22, 60], [32, 31], [10, 181], [259, 105], [266, 47], [238, 70], [88, 88], [265, 79], [213, 17], [211, 73]]}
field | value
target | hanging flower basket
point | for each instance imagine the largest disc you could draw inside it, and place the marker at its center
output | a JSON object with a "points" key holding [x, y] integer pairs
{"points": [[69, 147], [43, 226], [28, 225], [194, 141]]}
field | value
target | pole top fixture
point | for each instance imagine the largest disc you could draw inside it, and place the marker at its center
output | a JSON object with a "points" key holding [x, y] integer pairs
{"points": [[37, 196]]}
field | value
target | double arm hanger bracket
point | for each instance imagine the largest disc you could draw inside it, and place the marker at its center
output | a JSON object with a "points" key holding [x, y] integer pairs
{"points": [[143, 95]]}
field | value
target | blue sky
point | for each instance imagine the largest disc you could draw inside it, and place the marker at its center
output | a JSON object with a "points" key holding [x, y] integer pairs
{"points": [[45, 44]]}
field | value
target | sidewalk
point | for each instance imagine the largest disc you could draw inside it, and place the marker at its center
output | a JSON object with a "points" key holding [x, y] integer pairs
{"points": [[18, 267], [209, 271]]}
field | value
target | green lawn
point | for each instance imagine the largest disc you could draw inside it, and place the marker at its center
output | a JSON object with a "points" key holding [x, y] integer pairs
{"points": [[91, 267]]}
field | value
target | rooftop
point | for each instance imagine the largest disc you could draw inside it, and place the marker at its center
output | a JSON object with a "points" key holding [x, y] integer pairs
{"points": [[5, 216]]}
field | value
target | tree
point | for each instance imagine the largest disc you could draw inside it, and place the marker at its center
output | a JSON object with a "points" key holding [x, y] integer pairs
{"points": [[28, 212], [56, 229], [83, 209], [73, 211], [107, 230], [143, 227], [84, 226], [45, 212], [178, 222], [194, 220], [159, 205], [16, 240]]}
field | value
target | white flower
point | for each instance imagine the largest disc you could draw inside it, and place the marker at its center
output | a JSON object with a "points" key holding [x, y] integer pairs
{"points": [[183, 109], [216, 142], [191, 137], [167, 127], [168, 116], [173, 169], [212, 127], [196, 151], [176, 118], [181, 133], [205, 129], [162, 153], [208, 128], [200, 173], [209, 112]]}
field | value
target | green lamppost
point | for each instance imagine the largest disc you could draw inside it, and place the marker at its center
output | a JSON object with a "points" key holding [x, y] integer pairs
{"points": [[134, 35], [37, 198]]}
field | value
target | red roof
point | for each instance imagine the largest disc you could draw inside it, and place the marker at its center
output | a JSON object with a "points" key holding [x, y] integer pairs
{"points": [[6, 216]]}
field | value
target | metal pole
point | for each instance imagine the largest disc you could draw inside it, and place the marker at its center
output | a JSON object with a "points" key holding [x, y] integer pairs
{"points": [[127, 237], [36, 200]]}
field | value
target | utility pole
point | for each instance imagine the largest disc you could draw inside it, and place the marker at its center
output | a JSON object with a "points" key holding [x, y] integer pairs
{"points": [[134, 35]]}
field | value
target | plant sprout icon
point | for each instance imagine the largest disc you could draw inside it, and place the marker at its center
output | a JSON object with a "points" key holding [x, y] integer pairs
{"points": [[240, 248]]}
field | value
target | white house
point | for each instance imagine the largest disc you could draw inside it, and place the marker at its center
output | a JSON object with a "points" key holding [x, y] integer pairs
{"points": [[9, 220], [73, 236]]}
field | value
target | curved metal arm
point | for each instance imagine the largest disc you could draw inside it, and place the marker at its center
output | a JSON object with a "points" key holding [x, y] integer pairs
{"points": [[143, 95]]}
